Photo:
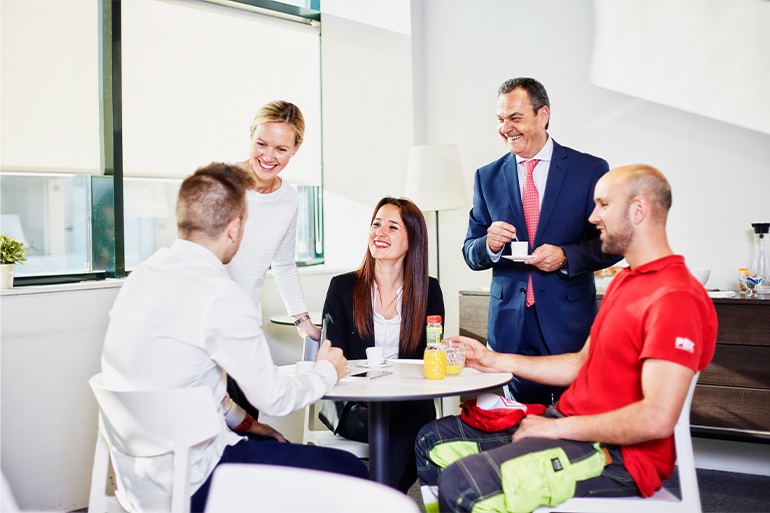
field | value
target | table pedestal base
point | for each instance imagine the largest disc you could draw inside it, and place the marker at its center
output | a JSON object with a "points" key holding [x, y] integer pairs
{"points": [[379, 445]]}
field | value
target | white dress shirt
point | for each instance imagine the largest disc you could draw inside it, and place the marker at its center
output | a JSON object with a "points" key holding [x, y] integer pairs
{"points": [[539, 176], [270, 238], [179, 321]]}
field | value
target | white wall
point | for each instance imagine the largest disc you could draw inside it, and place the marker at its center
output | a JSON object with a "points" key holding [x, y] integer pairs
{"points": [[717, 170], [367, 128], [51, 346]]}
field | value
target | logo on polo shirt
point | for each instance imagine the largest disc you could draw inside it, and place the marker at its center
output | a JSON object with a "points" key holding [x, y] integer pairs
{"points": [[685, 344]]}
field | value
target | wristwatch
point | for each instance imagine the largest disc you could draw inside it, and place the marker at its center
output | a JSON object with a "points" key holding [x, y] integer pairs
{"points": [[302, 319], [565, 262]]}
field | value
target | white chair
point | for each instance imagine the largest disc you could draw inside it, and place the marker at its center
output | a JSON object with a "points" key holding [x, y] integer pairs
{"points": [[150, 423], [663, 501], [324, 437], [260, 488]]}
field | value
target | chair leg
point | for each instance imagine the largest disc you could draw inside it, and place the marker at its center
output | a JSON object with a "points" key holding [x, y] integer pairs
{"points": [[688, 478], [97, 501]]}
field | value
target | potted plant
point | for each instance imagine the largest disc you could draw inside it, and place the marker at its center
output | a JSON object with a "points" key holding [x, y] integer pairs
{"points": [[11, 251]]}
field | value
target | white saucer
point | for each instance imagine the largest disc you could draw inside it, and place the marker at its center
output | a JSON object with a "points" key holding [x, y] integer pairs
{"points": [[366, 365], [515, 258]]}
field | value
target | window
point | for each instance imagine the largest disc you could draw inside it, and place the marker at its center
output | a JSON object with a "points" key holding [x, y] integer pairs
{"points": [[194, 74]]}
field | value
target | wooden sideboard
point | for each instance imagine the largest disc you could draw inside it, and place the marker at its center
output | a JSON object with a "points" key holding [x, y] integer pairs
{"points": [[732, 398]]}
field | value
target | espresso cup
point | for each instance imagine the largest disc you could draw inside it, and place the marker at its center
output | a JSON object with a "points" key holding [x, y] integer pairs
{"points": [[519, 249], [374, 356]]}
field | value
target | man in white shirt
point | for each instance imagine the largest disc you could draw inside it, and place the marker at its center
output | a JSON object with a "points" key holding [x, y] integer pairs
{"points": [[180, 321]]}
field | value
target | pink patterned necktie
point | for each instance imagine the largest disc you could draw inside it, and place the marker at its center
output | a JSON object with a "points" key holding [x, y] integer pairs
{"points": [[531, 214]]}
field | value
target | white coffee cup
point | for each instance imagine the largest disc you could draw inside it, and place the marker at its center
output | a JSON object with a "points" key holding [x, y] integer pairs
{"points": [[304, 367], [519, 249], [374, 356]]}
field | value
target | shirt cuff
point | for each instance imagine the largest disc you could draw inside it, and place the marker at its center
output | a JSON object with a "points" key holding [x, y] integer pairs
{"points": [[495, 257], [327, 372]]}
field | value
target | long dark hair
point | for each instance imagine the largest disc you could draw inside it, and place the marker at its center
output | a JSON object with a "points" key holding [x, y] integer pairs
{"points": [[415, 293]]}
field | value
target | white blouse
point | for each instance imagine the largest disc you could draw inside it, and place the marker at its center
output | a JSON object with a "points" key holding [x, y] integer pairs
{"points": [[270, 238], [387, 331]]}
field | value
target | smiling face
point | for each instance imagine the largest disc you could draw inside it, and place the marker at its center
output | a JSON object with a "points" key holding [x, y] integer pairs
{"points": [[612, 216], [272, 146], [521, 128], [388, 239]]}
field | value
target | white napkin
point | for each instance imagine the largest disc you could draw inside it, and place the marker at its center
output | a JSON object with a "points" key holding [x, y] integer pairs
{"points": [[721, 293]]}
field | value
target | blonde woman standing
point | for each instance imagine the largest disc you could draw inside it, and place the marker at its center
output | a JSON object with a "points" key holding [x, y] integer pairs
{"points": [[270, 233], [270, 237]]}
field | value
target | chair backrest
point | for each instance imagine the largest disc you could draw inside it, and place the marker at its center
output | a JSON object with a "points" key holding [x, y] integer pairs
{"points": [[684, 415], [154, 422], [309, 349], [258, 488]]}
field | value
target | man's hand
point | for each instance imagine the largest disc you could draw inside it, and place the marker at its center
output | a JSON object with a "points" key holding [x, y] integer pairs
{"points": [[257, 428], [333, 355], [498, 234], [547, 258], [536, 426], [309, 329], [477, 356]]}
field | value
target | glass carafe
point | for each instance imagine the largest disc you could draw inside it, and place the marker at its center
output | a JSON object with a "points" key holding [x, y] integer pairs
{"points": [[759, 272]]}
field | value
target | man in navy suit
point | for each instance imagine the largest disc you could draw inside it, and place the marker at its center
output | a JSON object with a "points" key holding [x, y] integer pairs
{"points": [[544, 305]]}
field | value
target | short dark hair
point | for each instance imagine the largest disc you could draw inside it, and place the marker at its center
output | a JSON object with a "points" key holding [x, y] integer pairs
{"points": [[535, 90], [647, 181], [210, 198]]}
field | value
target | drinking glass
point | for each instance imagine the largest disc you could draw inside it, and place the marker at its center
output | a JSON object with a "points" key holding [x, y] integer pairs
{"points": [[455, 358]]}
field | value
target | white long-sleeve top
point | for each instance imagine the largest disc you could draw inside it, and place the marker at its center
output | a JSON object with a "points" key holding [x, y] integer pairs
{"points": [[270, 238], [180, 321]]}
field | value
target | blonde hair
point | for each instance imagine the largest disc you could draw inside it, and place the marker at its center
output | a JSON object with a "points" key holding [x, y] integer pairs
{"points": [[279, 111]]}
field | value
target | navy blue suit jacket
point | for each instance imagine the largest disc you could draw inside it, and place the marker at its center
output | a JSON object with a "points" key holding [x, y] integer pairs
{"points": [[566, 304]]}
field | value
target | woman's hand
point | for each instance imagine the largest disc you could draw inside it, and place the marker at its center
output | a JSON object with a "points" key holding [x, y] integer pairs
{"points": [[477, 356], [257, 428], [309, 329]]}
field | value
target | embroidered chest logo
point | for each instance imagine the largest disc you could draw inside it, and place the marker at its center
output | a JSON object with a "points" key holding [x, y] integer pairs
{"points": [[685, 344]]}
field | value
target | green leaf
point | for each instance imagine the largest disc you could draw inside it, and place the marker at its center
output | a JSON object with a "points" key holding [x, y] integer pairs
{"points": [[12, 250]]}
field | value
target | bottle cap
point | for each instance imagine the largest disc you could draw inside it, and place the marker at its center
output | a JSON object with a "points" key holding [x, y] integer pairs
{"points": [[761, 227], [434, 319]]}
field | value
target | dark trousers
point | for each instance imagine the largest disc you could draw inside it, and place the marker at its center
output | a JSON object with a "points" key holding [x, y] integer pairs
{"points": [[285, 454], [471, 466], [532, 344], [406, 418]]}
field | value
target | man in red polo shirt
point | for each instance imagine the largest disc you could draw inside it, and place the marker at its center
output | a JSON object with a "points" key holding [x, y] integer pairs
{"points": [[612, 429]]}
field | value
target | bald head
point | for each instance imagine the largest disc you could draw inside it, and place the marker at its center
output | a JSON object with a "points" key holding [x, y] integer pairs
{"points": [[640, 180]]}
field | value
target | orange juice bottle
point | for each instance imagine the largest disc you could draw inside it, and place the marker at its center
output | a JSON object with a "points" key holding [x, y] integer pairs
{"points": [[434, 360]]}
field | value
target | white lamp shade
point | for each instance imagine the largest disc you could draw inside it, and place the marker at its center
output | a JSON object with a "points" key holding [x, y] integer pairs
{"points": [[434, 178]]}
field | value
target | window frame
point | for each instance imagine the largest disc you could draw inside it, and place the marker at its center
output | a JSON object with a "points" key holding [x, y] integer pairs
{"points": [[112, 232]]}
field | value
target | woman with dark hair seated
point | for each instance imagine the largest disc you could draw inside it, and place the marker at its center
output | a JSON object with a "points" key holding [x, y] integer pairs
{"points": [[385, 303]]}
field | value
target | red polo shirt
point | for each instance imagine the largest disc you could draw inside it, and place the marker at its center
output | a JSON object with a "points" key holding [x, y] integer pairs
{"points": [[658, 310]]}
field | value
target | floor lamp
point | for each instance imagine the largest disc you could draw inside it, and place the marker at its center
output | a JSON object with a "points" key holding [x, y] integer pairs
{"points": [[434, 181]]}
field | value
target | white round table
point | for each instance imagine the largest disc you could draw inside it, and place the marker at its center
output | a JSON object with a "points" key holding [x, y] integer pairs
{"points": [[406, 383], [288, 320]]}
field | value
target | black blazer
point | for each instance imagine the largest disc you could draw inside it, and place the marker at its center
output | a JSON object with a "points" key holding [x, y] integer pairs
{"points": [[342, 331]]}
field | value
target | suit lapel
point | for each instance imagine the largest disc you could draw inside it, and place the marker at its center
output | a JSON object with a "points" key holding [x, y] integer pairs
{"points": [[556, 173], [511, 178]]}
